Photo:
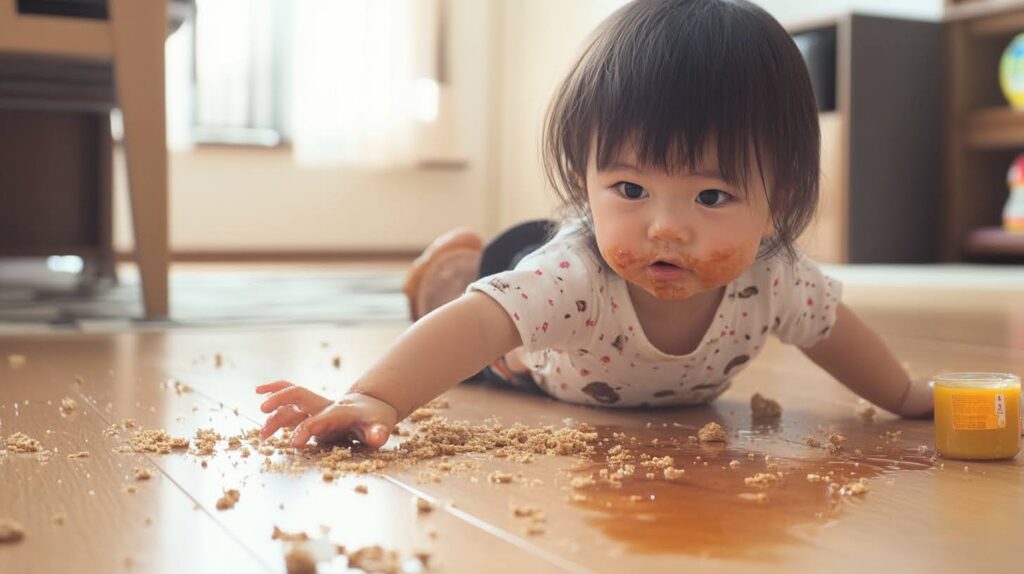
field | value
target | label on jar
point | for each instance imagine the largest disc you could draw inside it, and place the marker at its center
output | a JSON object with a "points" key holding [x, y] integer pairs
{"points": [[972, 411]]}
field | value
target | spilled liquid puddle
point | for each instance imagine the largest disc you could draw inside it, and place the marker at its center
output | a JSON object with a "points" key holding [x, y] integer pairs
{"points": [[709, 510]]}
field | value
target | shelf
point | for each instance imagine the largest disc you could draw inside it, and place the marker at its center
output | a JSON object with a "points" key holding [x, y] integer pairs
{"points": [[995, 241], [980, 9], [995, 128]]}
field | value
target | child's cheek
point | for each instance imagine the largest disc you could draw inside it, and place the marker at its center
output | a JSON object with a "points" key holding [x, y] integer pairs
{"points": [[720, 267]]}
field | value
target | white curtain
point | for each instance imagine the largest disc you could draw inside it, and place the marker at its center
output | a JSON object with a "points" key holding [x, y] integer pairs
{"points": [[363, 79]]}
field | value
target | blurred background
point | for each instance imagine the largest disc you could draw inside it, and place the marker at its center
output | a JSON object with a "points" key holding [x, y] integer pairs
{"points": [[328, 133]]}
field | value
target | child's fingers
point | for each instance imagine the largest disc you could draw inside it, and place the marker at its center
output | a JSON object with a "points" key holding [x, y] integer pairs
{"points": [[301, 397], [272, 387], [331, 421], [286, 416], [375, 435]]}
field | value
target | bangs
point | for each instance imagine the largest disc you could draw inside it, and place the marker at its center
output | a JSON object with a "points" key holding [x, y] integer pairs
{"points": [[667, 79]]}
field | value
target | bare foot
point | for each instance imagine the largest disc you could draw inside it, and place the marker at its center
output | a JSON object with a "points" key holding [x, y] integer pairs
{"points": [[443, 271]]}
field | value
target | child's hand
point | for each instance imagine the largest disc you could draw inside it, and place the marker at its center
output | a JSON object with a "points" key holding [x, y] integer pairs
{"points": [[369, 419], [918, 401]]}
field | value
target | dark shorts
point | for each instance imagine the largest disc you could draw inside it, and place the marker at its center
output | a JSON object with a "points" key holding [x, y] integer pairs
{"points": [[501, 254]]}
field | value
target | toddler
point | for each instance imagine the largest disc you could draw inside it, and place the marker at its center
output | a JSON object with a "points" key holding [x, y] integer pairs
{"points": [[684, 145]]}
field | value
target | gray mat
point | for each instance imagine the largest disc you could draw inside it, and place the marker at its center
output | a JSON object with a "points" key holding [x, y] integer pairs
{"points": [[31, 300]]}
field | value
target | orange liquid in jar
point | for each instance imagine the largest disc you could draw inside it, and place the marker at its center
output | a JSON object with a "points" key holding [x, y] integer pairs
{"points": [[977, 415]]}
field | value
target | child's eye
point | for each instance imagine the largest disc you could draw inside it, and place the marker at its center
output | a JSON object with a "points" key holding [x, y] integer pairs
{"points": [[631, 190], [713, 197]]}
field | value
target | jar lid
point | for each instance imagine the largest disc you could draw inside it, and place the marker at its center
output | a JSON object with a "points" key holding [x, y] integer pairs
{"points": [[977, 380]]}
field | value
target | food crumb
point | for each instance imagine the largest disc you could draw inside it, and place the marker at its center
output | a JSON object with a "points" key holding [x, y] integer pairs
{"points": [[20, 442], [58, 519], [758, 497], [374, 559], [218, 360], [424, 506], [582, 481], [855, 489], [711, 432], [865, 411], [82, 454], [67, 405], [228, 500], [764, 408], [10, 531], [734, 464], [16, 361], [299, 560], [835, 443], [761, 479], [336, 362], [362, 489], [499, 477], [674, 473]]}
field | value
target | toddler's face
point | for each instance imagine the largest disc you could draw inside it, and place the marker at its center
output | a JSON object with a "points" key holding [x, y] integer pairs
{"points": [[675, 234]]}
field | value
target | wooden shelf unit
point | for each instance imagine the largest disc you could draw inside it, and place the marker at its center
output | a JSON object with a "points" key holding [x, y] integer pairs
{"points": [[983, 132], [881, 144]]}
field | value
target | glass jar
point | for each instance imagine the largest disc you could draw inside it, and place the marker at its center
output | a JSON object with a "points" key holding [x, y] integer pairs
{"points": [[977, 415]]}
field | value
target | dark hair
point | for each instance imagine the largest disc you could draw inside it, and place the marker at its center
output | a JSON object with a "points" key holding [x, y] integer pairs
{"points": [[671, 75]]}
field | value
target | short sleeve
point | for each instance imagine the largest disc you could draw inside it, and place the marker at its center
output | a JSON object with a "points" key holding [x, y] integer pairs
{"points": [[805, 302], [549, 296]]}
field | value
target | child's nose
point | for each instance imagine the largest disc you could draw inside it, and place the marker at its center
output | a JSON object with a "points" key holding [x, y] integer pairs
{"points": [[666, 229]]}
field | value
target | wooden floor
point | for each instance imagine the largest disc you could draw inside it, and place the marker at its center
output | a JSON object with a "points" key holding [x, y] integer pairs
{"points": [[920, 513]]}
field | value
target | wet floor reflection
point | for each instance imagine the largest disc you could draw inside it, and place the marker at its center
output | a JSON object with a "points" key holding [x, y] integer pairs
{"points": [[724, 505]]}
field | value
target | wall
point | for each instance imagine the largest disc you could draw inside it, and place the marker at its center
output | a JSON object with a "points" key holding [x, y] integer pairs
{"points": [[507, 57]]}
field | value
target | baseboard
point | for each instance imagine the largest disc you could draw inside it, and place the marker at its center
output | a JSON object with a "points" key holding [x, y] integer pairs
{"points": [[297, 256]]}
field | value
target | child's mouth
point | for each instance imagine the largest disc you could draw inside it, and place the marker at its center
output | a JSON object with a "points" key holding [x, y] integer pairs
{"points": [[665, 271]]}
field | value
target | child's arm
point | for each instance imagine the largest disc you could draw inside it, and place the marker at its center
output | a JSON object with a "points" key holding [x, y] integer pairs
{"points": [[436, 353], [856, 356]]}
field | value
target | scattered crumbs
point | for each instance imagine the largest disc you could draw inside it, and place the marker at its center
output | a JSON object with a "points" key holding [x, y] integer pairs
{"points": [[812, 442], [299, 560], [764, 408], [228, 500], [711, 432], [130, 489], [424, 506], [152, 440], [81, 454], [181, 388], [67, 406], [422, 414], [329, 475], [362, 489], [218, 360], [10, 531], [734, 464], [20, 442], [922, 448], [499, 477], [816, 478], [761, 479], [336, 362], [674, 473], [142, 473], [245, 452], [865, 411], [16, 361], [758, 497]]}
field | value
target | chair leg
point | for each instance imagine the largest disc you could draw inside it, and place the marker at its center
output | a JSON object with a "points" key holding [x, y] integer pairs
{"points": [[139, 28]]}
